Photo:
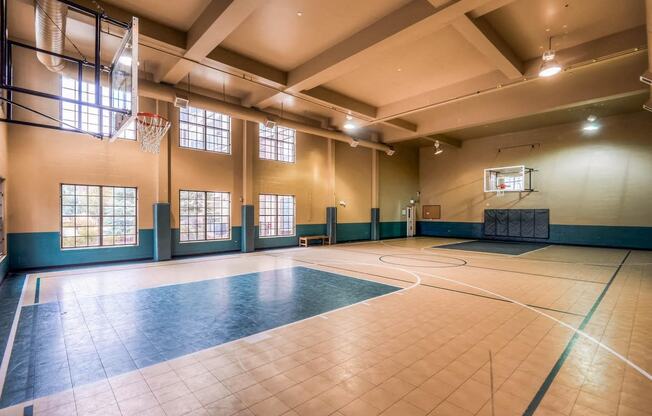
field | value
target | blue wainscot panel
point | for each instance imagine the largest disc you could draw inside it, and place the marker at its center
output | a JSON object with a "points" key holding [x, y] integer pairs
{"points": [[601, 235], [354, 231], [33, 250], [586, 235], [278, 242], [394, 229], [205, 247]]}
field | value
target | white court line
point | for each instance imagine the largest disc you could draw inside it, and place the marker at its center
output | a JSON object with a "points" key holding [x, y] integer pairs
{"points": [[578, 331], [581, 333], [4, 368]]}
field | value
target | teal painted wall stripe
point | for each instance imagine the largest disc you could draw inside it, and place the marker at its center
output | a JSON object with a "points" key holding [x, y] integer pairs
{"points": [[277, 242], [205, 247], [353, 231], [393, 229], [534, 404], [33, 250], [586, 235]]}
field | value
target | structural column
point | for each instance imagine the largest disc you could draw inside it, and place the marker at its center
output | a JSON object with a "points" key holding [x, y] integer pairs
{"points": [[162, 218], [375, 210], [248, 231], [331, 209]]}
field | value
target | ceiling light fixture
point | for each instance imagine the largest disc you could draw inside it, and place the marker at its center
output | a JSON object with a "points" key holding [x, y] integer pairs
{"points": [[354, 143], [438, 149], [349, 126], [390, 151], [549, 65], [591, 124], [299, 14]]}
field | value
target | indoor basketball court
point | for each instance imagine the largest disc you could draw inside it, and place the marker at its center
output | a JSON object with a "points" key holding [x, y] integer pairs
{"points": [[346, 208]]}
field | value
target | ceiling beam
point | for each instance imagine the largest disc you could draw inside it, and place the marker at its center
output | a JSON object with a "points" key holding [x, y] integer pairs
{"points": [[356, 107], [613, 78], [484, 38], [400, 123], [214, 24], [330, 97], [230, 60], [411, 22], [587, 52], [445, 139]]}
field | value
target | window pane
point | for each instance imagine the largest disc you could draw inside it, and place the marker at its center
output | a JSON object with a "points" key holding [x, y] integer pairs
{"points": [[92, 215], [204, 215], [276, 215], [204, 130], [277, 143], [88, 118]]}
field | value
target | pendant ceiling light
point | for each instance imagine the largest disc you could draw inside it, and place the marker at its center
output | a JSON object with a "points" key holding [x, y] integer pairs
{"points": [[549, 66]]}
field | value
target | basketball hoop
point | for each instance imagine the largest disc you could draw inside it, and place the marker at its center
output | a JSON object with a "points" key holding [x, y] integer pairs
{"points": [[151, 128]]}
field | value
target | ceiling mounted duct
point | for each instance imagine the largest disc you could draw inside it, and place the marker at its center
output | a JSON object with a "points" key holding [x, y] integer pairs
{"points": [[50, 23]]}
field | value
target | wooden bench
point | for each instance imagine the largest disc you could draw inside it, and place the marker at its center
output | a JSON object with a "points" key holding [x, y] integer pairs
{"points": [[306, 239]]}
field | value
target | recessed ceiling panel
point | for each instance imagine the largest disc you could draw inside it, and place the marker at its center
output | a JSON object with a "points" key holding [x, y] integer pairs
{"points": [[439, 59], [177, 14], [524, 24], [276, 35]]}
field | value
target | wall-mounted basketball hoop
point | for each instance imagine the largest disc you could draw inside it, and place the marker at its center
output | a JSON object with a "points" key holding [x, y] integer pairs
{"points": [[508, 179]]}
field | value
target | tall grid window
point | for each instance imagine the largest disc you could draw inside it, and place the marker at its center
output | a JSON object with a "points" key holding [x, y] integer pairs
{"points": [[204, 130], [94, 216], [88, 120], [276, 215], [277, 143], [204, 216]]}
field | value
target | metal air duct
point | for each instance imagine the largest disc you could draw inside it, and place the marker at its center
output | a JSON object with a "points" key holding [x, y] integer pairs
{"points": [[50, 24]]}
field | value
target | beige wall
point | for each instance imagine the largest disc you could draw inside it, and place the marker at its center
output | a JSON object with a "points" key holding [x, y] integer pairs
{"points": [[602, 178], [352, 183], [206, 171], [41, 159], [399, 181], [306, 179]]}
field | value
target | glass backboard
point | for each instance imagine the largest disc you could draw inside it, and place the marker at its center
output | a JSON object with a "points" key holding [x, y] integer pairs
{"points": [[123, 79]]}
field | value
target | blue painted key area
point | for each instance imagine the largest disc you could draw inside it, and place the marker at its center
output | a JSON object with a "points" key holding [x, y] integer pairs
{"points": [[79, 341]]}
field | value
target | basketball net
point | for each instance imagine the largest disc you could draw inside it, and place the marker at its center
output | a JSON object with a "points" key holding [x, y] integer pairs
{"points": [[150, 129]]}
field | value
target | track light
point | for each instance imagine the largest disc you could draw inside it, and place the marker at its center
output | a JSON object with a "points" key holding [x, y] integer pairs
{"points": [[591, 124], [438, 149], [390, 151], [354, 143], [549, 65]]}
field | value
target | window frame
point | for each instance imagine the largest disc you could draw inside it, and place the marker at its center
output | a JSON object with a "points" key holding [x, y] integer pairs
{"points": [[278, 217], [78, 122], [277, 141], [101, 216], [204, 134], [230, 217]]}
